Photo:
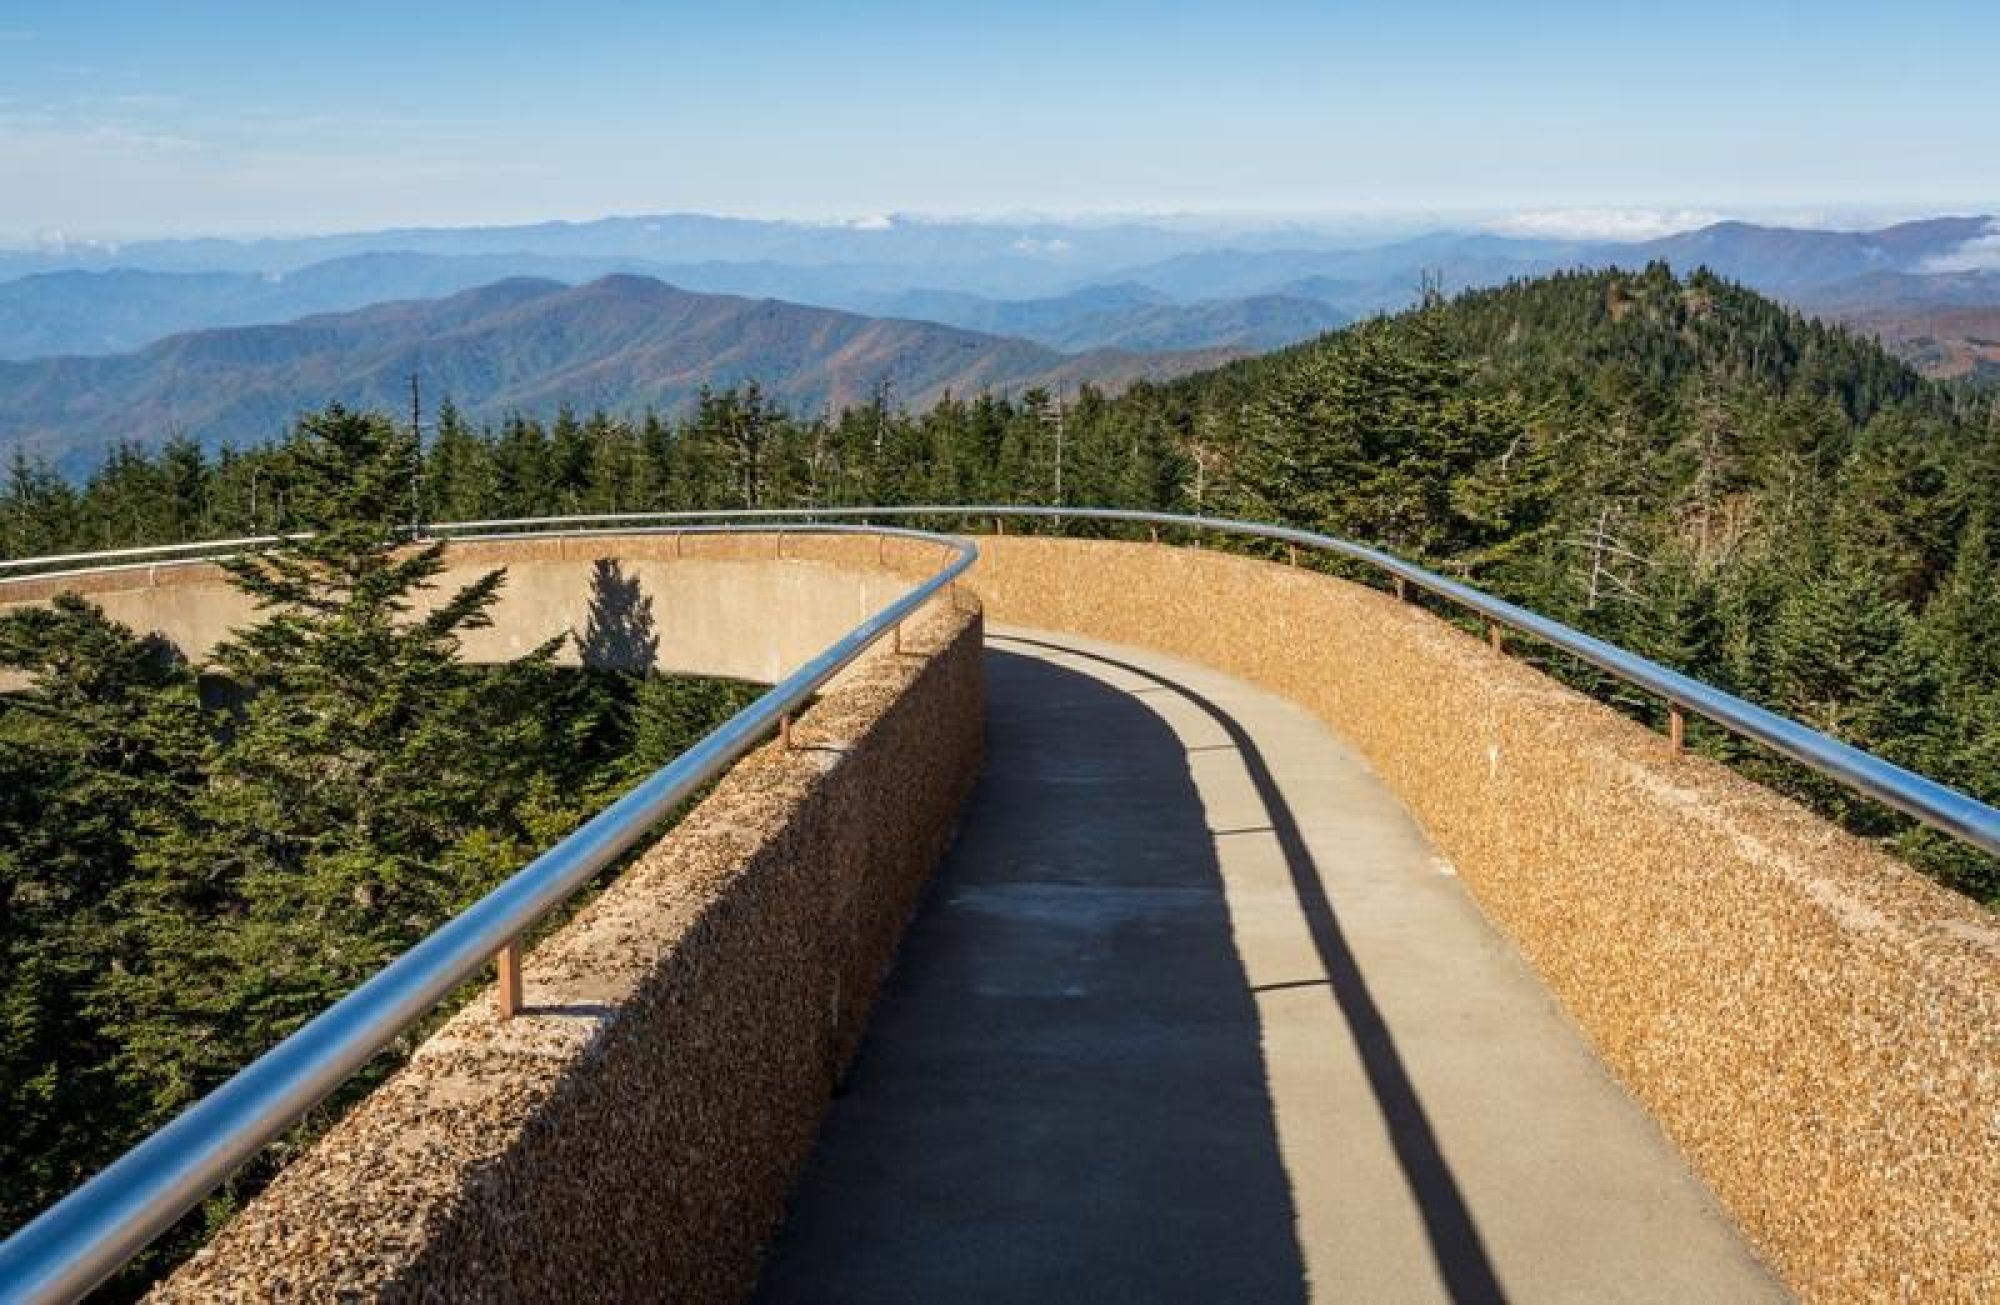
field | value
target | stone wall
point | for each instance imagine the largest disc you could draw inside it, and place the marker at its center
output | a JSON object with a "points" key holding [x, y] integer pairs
{"points": [[1815, 1025], [634, 1135]]}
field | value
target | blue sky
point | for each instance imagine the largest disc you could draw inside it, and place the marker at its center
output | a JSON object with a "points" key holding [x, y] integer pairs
{"points": [[119, 120]]}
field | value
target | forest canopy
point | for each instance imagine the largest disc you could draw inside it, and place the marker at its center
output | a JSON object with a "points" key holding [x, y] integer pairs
{"points": [[192, 866], [1681, 466]]}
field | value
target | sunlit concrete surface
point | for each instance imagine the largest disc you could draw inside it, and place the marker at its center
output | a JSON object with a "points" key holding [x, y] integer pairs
{"points": [[1194, 1012], [751, 606]]}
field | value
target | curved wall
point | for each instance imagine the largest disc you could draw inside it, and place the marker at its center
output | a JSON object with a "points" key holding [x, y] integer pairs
{"points": [[633, 1134], [747, 606], [1814, 1024]]}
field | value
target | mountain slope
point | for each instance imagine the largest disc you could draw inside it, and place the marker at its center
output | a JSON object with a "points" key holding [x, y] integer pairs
{"points": [[1124, 316], [622, 342], [1786, 259], [1366, 279], [121, 309], [1251, 294]]}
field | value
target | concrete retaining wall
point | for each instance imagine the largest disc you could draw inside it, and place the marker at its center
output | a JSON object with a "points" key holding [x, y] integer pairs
{"points": [[750, 606], [634, 1135], [1814, 1024]]}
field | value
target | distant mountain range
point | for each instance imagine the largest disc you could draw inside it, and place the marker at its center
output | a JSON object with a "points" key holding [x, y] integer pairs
{"points": [[136, 342], [1068, 286], [1024, 257], [98, 312], [621, 342]]}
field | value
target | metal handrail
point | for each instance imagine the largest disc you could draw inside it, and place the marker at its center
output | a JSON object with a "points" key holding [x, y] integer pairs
{"points": [[1941, 807], [202, 546], [72, 1246], [89, 1234]]}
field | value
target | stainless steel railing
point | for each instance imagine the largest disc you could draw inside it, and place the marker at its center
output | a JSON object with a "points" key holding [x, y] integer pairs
{"points": [[1937, 805], [95, 1229], [92, 1232]]}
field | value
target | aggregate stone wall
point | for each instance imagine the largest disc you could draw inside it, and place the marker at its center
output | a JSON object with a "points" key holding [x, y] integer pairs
{"points": [[1815, 1025], [634, 1135]]}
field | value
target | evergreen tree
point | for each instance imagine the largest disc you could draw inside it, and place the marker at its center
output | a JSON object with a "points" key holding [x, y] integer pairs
{"points": [[371, 784], [107, 738]]}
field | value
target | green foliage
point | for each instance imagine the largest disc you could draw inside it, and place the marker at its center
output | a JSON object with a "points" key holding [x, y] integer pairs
{"points": [[1677, 465], [181, 886], [1673, 463], [109, 739]]}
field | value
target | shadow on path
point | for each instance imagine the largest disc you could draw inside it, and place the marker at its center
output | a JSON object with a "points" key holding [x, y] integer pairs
{"points": [[1456, 1246], [1062, 1095]]}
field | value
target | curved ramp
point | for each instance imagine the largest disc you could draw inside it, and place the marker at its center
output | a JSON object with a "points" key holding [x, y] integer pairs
{"points": [[1194, 1012]]}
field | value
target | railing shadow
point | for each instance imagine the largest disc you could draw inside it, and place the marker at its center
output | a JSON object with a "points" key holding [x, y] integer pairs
{"points": [[1456, 1246], [1062, 1094]]}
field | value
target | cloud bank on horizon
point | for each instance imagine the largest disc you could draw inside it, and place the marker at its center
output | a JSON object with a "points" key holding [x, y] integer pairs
{"points": [[1621, 224], [1979, 254]]}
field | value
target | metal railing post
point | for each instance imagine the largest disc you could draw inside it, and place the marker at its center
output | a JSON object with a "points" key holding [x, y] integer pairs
{"points": [[507, 964], [88, 1235]]}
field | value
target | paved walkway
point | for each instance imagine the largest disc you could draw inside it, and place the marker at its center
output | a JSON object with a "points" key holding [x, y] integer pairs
{"points": [[1194, 1013]]}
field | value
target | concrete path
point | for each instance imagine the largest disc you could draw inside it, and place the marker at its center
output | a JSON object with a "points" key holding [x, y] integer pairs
{"points": [[1195, 1013]]}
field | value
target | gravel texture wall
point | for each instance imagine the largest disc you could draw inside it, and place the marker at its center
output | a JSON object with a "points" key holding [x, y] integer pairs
{"points": [[633, 1136], [1813, 1023]]}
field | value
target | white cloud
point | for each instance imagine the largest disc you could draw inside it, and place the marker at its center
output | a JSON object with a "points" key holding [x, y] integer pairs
{"points": [[1979, 254], [1054, 247], [1604, 223]]}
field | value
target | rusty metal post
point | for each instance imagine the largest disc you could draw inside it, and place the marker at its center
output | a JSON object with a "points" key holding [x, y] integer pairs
{"points": [[1676, 727], [898, 649], [1496, 636], [785, 731], [508, 961], [1292, 554], [1402, 589]]}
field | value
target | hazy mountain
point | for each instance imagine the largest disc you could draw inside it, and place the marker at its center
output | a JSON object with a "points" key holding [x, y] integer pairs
{"points": [[120, 309], [1123, 316], [113, 311], [1052, 283], [1910, 290], [1367, 278], [1070, 247], [1784, 259], [1947, 324], [622, 342]]}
